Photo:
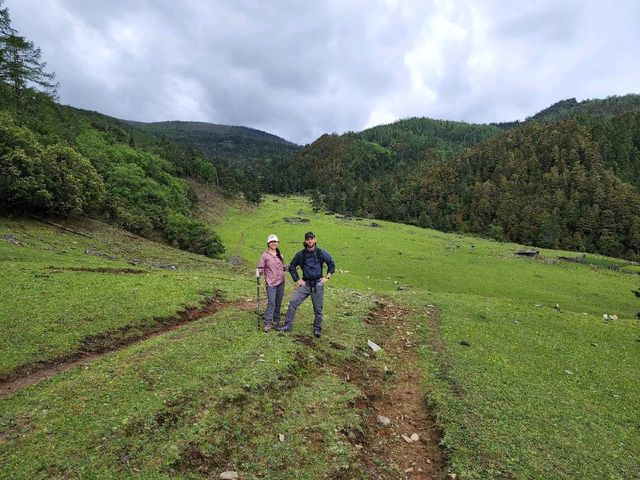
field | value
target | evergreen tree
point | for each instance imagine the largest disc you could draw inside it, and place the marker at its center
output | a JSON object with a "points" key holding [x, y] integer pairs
{"points": [[21, 64]]}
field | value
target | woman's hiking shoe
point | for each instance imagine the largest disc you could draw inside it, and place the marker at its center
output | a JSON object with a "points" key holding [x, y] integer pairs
{"points": [[267, 327], [316, 332]]}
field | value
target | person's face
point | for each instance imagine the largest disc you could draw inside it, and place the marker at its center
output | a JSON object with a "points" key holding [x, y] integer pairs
{"points": [[273, 245], [311, 241]]}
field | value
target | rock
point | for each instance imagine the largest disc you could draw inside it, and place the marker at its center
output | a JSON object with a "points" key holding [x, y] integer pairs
{"points": [[406, 439], [358, 446], [557, 307], [229, 475], [568, 372], [384, 421], [401, 288], [408, 470], [613, 317], [374, 346], [235, 260], [452, 476], [415, 437], [11, 238], [281, 437]]}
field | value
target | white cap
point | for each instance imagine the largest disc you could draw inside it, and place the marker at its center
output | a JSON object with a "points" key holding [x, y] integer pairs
{"points": [[272, 238]]}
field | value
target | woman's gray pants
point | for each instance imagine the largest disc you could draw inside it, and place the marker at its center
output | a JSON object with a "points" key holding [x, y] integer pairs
{"points": [[275, 295], [317, 298]]}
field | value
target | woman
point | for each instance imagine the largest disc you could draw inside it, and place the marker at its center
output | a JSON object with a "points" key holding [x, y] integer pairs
{"points": [[271, 264]]}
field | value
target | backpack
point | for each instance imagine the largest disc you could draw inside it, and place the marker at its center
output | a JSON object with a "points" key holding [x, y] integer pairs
{"points": [[317, 251]]}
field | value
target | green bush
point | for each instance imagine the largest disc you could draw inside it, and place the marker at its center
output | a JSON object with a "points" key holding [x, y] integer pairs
{"points": [[192, 235], [57, 179]]}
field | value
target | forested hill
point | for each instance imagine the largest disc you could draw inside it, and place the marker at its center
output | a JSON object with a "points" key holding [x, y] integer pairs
{"points": [[571, 108], [573, 184], [237, 145]]}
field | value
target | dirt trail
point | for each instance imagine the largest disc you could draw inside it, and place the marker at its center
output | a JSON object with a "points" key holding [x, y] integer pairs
{"points": [[396, 394], [100, 345], [400, 398]]}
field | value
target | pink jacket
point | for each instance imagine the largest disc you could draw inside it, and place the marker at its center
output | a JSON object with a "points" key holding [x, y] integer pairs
{"points": [[273, 269]]}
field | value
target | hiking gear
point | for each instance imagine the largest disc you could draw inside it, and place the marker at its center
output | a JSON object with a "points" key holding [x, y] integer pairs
{"points": [[283, 329], [258, 297], [272, 238], [309, 235], [300, 295], [317, 332]]}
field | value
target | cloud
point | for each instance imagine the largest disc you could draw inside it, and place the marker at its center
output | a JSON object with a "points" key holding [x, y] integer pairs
{"points": [[300, 69]]}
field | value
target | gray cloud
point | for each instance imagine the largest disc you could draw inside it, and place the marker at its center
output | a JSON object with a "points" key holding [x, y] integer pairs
{"points": [[300, 69]]}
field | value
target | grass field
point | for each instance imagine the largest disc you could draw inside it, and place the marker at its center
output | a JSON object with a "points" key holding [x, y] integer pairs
{"points": [[539, 393], [520, 389]]}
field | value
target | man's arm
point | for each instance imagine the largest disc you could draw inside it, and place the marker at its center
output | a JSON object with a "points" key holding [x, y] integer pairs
{"points": [[331, 266], [293, 267]]}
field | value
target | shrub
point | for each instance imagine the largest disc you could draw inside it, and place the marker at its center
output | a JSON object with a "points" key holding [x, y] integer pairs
{"points": [[192, 235]]}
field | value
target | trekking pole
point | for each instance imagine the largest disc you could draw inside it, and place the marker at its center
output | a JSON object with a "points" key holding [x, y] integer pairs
{"points": [[258, 304]]}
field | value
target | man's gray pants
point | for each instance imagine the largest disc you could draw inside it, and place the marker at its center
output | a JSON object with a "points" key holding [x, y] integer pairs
{"points": [[299, 296], [275, 295]]}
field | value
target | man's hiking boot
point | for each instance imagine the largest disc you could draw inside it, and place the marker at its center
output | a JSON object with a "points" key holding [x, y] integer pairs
{"points": [[284, 328]]}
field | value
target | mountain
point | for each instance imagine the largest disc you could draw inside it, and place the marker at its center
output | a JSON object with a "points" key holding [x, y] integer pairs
{"points": [[571, 108], [237, 145]]}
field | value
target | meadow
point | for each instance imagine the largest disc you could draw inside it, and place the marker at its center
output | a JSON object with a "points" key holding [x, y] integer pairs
{"points": [[518, 387], [534, 391]]}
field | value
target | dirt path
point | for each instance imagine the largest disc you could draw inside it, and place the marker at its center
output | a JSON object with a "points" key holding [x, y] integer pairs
{"points": [[399, 397], [100, 345]]}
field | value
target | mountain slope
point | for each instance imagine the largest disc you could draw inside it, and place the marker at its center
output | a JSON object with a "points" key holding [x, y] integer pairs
{"points": [[236, 144]]}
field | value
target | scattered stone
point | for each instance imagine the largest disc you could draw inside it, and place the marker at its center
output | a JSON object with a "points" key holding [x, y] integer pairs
{"points": [[235, 260], [568, 372], [296, 220], [406, 439], [415, 437], [557, 307], [374, 346], [281, 437], [384, 421], [401, 288], [594, 344], [11, 238], [408, 470], [375, 225], [538, 305], [96, 253], [359, 447], [229, 475], [465, 343], [428, 460], [452, 476]]}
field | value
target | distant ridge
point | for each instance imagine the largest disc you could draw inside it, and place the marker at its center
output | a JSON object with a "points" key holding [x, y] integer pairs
{"points": [[237, 145], [569, 108]]}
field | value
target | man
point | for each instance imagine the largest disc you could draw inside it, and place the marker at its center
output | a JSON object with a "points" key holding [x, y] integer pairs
{"points": [[310, 260]]}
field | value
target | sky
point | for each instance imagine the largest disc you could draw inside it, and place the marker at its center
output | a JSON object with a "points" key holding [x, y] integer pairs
{"points": [[299, 69]]}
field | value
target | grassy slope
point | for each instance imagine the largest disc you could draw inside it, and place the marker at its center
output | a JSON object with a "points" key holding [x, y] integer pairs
{"points": [[47, 310], [539, 393], [209, 396]]}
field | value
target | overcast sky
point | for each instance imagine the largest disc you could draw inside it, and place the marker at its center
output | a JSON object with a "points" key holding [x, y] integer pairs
{"points": [[303, 68]]}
